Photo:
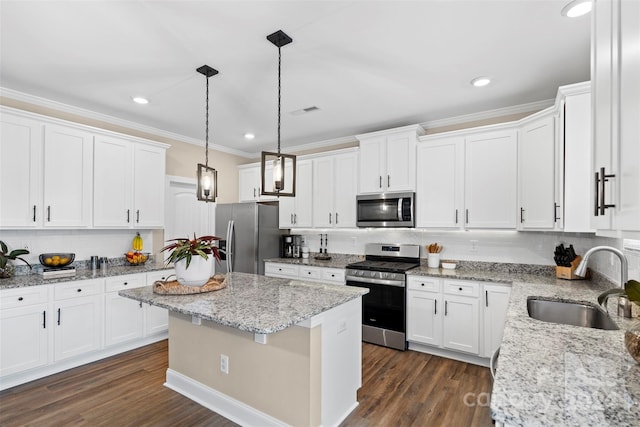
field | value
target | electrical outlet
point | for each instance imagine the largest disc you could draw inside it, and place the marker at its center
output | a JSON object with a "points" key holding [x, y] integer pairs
{"points": [[474, 246], [26, 246], [224, 363]]}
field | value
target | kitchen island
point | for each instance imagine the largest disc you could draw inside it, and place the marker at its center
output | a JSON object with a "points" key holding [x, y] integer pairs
{"points": [[266, 351]]}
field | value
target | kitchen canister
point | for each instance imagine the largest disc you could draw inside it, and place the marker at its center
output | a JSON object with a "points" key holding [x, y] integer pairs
{"points": [[433, 260]]}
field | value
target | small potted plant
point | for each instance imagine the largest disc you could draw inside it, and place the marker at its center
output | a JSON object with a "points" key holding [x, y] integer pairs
{"points": [[193, 258], [6, 269]]}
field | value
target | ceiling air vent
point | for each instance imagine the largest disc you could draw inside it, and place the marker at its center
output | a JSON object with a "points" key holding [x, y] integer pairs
{"points": [[304, 111]]}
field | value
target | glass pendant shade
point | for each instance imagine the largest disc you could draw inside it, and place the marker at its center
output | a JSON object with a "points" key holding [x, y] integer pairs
{"points": [[278, 174], [207, 183]]}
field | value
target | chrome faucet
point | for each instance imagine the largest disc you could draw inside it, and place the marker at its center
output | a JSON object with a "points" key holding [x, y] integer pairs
{"points": [[624, 305]]}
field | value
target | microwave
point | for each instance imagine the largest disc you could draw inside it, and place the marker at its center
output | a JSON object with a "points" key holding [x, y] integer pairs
{"points": [[385, 210]]}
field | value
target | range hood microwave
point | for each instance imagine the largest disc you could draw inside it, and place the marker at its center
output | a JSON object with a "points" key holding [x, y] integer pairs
{"points": [[385, 210]]}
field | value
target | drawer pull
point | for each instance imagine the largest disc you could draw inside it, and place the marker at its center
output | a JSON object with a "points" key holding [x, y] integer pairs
{"points": [[79, 290], [459, 289], [435, 306], [58, 317], [308, 272], [445, 307], [421, 284], [20, 298], [125, 283], [486, 298], [44, 319]]}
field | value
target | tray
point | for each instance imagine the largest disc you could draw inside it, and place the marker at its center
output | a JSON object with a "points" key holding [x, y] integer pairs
{"points": [[172, 287]]}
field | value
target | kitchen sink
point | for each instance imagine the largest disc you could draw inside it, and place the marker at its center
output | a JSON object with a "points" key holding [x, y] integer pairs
{"points": [[569, 312]]}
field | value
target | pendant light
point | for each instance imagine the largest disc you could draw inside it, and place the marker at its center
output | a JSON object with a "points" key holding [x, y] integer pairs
{"points": [[277, 170], [207, 177]]}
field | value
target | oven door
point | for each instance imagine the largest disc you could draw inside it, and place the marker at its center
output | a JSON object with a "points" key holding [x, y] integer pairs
{"points": [[384, 306]]}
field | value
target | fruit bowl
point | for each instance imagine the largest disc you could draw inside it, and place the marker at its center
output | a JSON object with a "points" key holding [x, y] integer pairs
{"points": [[56, 259], [136, 258]]}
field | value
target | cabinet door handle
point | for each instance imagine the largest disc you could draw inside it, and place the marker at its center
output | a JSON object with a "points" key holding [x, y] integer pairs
{"points": [[128, 216], [291, 218], [140, 304], [445, 307], [388, 181], [555, 212], [521, 215], [603, 180], [138, 215], [329, 217], [336, 218], [44, 319], [254, 192], [456, 216], [48, 213], [34, 213], [435, 307], [466, 216], [596, 211], [380, 176], [486, 298], [58, 317]]}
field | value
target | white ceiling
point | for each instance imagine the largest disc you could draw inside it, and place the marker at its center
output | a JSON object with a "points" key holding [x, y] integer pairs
{"points": [[367, 65]]}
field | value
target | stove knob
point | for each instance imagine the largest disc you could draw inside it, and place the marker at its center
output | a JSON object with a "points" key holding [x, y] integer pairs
{"points": [[383, 275], [358, 273], [372, 274]]}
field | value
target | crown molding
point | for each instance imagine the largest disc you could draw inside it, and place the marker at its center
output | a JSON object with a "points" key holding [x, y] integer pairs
{"points": [[92, 115], [489, 114]]}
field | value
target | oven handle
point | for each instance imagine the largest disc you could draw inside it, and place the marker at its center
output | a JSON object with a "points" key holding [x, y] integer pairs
{"points": [[396, 283]]}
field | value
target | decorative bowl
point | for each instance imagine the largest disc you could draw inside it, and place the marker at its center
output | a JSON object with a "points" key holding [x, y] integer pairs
{"points": [[448, 264], [56, 259], [136, 258]]}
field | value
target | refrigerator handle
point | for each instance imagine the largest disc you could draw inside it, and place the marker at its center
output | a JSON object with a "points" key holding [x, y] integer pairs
{"points": [[228, 245], [231, 246]]}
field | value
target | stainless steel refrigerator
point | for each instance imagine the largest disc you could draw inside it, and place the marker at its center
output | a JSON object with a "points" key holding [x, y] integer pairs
{"points": [[251, 235]]}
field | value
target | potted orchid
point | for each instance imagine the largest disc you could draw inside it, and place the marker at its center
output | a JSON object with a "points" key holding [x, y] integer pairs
{"points": [[193, 258]]}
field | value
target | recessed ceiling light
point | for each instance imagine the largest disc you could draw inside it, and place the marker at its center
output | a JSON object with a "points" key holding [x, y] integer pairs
{"points": [[576, 8], [249, 135], [140, 100], [480, 81]]}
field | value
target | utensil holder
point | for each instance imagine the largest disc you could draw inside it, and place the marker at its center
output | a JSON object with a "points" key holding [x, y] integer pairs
{"points": [[568, 273], [433, 260]]}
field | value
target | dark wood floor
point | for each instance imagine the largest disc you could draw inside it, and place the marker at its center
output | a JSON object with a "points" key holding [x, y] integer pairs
{"points": [[399, 388]]}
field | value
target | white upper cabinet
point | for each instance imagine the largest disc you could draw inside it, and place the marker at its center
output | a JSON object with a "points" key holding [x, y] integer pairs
{"points": [[250, 183], [148, 186], [113, 177], [440, 182], [575, 159], [616, 112], [128, 184], [334, 190], [21, 166], [491, 179], [536, 177], [387, 160], [296, 211], [68, 176]]}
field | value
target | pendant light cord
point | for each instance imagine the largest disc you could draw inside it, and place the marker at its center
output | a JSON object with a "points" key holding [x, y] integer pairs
{"points": [[206, 140], [279, 96]]}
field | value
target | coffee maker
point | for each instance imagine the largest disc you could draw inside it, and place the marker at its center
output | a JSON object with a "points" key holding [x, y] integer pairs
{"points": [[290, 246]]}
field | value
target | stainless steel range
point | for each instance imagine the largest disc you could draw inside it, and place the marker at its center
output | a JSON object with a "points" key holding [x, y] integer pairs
{"points": [[384, 307]]}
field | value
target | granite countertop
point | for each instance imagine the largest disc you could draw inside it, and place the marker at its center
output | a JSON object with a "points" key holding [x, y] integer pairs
{"points": [[82, 273], [254, 303], [559, 375], [336, 261]]}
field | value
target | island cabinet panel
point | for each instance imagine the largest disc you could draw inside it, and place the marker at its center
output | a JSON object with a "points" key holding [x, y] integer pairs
{"points": [[496, 301], [20, 165], [156, 319], [123, 317], [25, 324], [305, 272]]}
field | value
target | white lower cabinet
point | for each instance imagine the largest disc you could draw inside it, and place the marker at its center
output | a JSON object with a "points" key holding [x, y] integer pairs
{"points": [[24, 329], [444, 316], [124, 317], [50, 328], [308, 273], [496, 301], [78, 318], [156, 319]]}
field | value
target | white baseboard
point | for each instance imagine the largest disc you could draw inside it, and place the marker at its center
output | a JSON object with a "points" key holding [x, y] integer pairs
{"points": [[218, 402], [450, 354]]}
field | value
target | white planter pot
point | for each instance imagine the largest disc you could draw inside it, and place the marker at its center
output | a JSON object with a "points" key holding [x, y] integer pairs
{"points": [[199, 272]]}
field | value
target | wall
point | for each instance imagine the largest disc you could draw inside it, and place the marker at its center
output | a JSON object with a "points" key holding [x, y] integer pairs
{"points": [[490, 246]]}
